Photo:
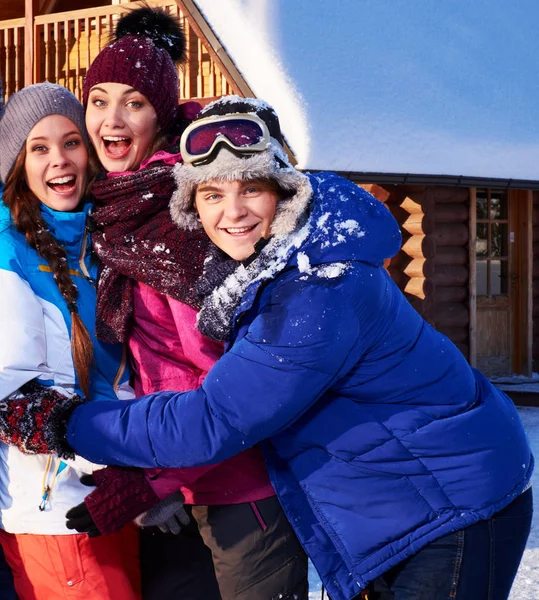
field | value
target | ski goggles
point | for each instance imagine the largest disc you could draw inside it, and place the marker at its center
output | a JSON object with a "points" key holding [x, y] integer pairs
{"points": [[243, 133]]}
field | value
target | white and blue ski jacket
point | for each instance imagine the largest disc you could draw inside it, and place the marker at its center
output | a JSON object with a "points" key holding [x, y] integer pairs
{"points": [[35, 343]]}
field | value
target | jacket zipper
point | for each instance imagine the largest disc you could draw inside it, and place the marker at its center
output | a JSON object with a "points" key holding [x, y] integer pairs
{"points": [[82, 256]]}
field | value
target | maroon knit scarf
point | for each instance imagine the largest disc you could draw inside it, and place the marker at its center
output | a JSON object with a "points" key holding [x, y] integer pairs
{"points": [[136, 239]]}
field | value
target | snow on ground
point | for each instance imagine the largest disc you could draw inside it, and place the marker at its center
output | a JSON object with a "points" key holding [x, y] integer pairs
{"points": [[518, 383], [526, 586]]}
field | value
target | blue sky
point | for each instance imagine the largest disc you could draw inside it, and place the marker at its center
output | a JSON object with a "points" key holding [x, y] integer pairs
{"points": [[470, 65]]}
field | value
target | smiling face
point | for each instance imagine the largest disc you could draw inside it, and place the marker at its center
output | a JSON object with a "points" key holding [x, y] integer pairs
{"points": [[56, 163], [122, 125], [236, 214]]}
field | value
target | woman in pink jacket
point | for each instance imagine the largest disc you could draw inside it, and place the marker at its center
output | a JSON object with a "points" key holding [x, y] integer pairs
{"points": [[147, 298]]}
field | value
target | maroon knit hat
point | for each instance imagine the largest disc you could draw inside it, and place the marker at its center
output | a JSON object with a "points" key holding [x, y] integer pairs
{"points": [[147, 43]]}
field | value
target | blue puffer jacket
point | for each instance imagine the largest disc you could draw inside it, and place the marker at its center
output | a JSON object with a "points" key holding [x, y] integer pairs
{"points": [[380, 437]]}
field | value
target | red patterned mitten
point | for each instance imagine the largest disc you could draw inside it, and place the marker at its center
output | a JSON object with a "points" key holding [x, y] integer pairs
{"points": [[36, 421]]}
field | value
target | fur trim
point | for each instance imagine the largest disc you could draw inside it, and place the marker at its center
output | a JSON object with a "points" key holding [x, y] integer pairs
{"points": [[227, 166], [216, 316]]}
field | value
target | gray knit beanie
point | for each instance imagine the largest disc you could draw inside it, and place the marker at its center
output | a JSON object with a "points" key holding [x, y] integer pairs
{"points": [[25, 109]]}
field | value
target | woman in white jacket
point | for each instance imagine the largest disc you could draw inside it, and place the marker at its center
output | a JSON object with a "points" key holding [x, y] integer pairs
{"points": [[48, 351]]}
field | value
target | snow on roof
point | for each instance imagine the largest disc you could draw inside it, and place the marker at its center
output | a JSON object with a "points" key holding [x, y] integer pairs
{"points": [[396, 86]]}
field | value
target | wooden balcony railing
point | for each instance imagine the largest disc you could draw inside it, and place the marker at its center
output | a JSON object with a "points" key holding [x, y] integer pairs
{"points": [[12, 54], [65, 44]]}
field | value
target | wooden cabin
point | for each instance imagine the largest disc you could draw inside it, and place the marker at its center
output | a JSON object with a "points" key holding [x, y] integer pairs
{"points": [[469, 242], [58, 46]]}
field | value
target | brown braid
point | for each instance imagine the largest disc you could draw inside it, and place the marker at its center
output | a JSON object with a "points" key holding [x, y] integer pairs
{"points": [[26, 213]]}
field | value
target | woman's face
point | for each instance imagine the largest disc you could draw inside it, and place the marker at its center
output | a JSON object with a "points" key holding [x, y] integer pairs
{"points": [[236, 214], [122, 125], [56, 163]]}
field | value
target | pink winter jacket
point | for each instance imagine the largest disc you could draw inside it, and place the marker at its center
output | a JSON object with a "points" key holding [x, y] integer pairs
{"points": [[169, 353]]}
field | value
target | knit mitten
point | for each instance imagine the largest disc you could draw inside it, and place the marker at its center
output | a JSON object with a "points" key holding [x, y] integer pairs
{"points": [[121, 495], [36, 420], [169, 515]]}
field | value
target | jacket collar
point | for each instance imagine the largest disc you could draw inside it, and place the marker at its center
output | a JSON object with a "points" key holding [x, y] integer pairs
{"points": [[67, 227]]}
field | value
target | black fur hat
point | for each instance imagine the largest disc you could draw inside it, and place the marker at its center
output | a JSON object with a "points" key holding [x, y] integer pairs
{"points": [[271, 163]]}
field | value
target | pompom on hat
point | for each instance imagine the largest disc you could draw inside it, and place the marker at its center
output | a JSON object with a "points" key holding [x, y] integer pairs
{"points": [[229, 165], [25, 109], [147, 43]]}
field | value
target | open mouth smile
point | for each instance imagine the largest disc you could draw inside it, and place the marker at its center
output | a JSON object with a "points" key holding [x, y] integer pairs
{"points": [[117, 146], [63, 185]]}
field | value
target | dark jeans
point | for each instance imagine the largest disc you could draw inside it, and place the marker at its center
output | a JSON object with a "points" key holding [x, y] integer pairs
{"points": [[256, 553], [476, 563]]}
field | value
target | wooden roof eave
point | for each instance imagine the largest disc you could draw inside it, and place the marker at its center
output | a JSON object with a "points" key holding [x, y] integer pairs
{"points": [[215, 48], [438, 180]]}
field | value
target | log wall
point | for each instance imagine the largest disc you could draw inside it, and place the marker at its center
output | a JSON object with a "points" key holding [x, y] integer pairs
{"points": [[451, 264], [432, 268]]}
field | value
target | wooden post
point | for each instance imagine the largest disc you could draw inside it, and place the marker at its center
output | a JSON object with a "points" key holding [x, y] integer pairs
{"points": [[472, 306], [30, 11], [521, 205], [528, 232]]}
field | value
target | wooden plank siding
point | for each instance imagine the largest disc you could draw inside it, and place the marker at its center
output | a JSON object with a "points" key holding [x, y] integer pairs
{"points": [[472, 283], [521, 205], [66, 43], [412, 268], [452, 265]]}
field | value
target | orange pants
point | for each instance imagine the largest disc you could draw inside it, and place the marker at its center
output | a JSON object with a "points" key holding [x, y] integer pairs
{"points": [[74, 567]]}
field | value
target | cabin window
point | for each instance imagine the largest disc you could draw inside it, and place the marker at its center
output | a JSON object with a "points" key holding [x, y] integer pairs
{"points": [[492, 243]]}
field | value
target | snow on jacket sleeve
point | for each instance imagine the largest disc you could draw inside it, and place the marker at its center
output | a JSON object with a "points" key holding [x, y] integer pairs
{"points": [[301, 341]]}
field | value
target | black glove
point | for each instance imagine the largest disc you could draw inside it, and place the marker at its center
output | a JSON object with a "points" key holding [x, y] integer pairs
{"points": [[169, 515], [121, 495], [79, 517]]}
